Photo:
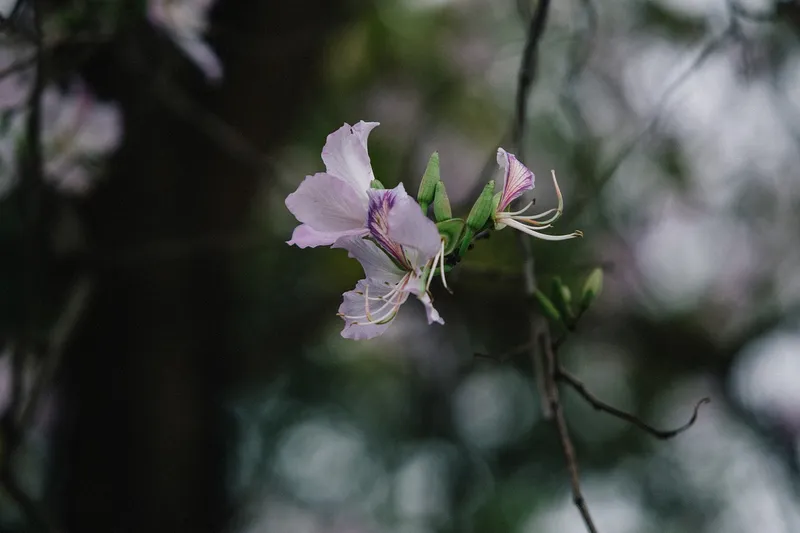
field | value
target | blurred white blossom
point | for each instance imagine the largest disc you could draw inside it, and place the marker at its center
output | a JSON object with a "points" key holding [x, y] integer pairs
{"points": [[185, 21]]}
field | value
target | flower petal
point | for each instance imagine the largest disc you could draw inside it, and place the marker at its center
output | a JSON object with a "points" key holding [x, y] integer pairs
{"points": [[201, 54], [354, 305], [327, 204], [346, 157], [410, 228], [377, 265], [517, 178], [431, 312], [304, 236]]}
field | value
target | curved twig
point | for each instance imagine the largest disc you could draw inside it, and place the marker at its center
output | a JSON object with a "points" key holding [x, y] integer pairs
{"points": [[577, 385]]}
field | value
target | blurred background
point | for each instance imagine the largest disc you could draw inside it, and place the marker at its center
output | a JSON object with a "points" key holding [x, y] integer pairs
{"points": [[168, 363]]}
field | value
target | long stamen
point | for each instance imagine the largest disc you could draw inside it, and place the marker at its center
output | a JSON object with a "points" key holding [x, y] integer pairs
{"points": [[530, 231], [441, 269], [512, 213], [432, 266], [535, 219]]}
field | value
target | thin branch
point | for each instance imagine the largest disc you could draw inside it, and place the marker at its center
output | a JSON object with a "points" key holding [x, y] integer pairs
{"points": [[59, 337], [563, 432], [594, 401]]}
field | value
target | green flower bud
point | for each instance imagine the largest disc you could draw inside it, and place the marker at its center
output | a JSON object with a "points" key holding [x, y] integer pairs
{"points": [[375, 184], [451, 230], [591, 288], [441, 204], [548, 308], [482, 209], [561, 298], [427, 187]]}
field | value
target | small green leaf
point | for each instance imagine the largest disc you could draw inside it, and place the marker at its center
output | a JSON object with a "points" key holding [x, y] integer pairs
{"points": [[375, 184], [591, 288], [441, 204], [451, 231], [427, 187]]}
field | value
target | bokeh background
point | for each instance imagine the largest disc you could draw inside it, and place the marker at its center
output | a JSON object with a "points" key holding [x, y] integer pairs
{"points": [[170, 364]]}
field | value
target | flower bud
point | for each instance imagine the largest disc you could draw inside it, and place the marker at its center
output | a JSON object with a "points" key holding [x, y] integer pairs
{"points": [[561, 298], [482, 209], [591, 288], [441, 204], [375, 184], [427, 187], [548, 309]]}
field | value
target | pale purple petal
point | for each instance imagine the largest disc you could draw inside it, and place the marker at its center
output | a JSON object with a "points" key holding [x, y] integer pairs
{"points": [[327, 204], [354, 304], [410, 228], [345, 155], [201, 54], [516, 178], [430, 311], [304, 236], [377, 265], [381, 203]]}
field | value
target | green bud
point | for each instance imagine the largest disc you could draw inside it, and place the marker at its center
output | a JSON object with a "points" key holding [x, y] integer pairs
{"points": [[427, 187], [451, 230], [482, 209], [441, 204], [548, 309], [591, 288], [561, 297], [375, 184]]}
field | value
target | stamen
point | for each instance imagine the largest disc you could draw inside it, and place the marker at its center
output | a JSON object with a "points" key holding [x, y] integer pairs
{"points": [[432, 266], [441, 269], [530, 231]]}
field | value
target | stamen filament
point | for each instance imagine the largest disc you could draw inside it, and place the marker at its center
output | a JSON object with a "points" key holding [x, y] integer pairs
{"points": [[530, 231]]}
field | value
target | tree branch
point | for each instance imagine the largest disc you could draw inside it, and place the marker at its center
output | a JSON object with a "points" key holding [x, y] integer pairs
{"points": [[564, 376]]}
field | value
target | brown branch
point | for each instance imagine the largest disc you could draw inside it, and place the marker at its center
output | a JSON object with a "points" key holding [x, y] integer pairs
{"points": [[564, 376], [563, 432]]}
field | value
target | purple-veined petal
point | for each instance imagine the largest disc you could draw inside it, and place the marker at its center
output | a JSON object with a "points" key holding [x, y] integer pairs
{"points": [[345, 155], [377, 265], [410, 228], [304, 236], [327, 204], [363, 323], [517, 178], [381, 203]]}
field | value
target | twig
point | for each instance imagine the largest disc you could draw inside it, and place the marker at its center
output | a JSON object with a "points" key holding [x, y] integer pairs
{"points": [[563, 432], [594, 401], [60, 334]]}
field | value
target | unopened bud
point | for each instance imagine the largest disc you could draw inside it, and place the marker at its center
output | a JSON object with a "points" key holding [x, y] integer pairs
{"points": [[375, 184], [441, 204], [482, 209], [561, 298], [591, 288], [427, 187]]}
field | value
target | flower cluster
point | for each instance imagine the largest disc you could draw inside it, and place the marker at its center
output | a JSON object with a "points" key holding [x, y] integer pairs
{"points": [[400, 249]]}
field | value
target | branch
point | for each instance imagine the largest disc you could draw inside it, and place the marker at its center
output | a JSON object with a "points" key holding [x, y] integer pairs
{"points": [[563, 432], [594, 401]]}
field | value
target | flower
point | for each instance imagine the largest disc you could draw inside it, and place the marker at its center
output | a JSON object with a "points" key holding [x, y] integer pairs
{"points": [[399, 258], [76, 130], [517, 179], [334, 204], [185, 22]]}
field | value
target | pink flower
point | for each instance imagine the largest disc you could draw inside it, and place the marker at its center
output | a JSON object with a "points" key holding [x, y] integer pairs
{"points": [[399, 258], [517, 179], [334, 204]]}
